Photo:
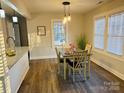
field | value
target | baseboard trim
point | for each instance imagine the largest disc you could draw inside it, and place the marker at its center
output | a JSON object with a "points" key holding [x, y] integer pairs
{"points": [[111, 70], [42, 57]]}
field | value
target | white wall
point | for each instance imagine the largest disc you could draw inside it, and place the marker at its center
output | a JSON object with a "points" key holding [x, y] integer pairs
{"points": [[110, 62], [42, 45]]}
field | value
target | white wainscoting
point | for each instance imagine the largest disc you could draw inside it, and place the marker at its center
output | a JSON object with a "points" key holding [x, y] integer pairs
{"points": [[113, 71], [42, 53]]}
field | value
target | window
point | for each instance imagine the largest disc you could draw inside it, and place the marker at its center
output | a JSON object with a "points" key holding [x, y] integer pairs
{"points": [[110, 36], [99, 33], [115, 42], [59, 36]]}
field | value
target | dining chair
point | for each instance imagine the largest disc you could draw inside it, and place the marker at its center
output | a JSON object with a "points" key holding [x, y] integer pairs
{"points": [[60, 60], [89, 49], [78, 63], [66, 45]]}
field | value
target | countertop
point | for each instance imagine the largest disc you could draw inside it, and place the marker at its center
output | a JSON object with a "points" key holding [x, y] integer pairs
{"points": [[20, 51]]}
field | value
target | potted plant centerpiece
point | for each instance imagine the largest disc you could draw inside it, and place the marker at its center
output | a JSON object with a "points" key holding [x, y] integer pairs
{"points": [[81, 42]]}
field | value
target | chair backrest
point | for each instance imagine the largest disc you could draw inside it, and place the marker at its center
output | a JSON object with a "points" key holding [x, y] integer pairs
{"points": [[89, 48], [80, 57], [66, 45]]}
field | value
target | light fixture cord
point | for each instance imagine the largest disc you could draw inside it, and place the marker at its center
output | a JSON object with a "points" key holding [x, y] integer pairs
{"points": [[64, 10], [69, 10], [0, 6]]}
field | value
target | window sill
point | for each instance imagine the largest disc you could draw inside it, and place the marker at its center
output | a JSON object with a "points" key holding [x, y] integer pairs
{"points": [[119, 58]]}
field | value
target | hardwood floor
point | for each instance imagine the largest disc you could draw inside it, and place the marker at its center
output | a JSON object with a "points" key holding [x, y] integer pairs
{"points": [[43, 78]]}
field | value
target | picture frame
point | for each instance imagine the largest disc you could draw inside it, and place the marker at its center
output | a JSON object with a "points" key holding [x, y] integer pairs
{"points": [[41, 30]]}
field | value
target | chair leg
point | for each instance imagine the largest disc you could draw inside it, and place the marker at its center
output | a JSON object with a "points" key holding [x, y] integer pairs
{"points": [[69, 71], [58, 68], [73, 75], [84, 72], [88, 69], [80, 71]]}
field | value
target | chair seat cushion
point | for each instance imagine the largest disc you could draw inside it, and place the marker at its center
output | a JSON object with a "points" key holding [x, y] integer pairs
{"points": [[62, 60], [70, 62]]}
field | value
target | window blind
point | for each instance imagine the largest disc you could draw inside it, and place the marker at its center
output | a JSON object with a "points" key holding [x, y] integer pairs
{"points": [[116, 34], [59, 32], [99, 33]]}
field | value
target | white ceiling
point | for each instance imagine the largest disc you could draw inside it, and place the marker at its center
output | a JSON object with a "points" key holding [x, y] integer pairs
{"points": [[78, 6]]}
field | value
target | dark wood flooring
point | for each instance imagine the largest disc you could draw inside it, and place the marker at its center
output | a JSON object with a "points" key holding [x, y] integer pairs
{"points": [[42, 77]]}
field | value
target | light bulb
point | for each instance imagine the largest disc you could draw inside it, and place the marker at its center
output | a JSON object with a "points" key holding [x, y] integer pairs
{"points": [[69, 18], [65, 20]]}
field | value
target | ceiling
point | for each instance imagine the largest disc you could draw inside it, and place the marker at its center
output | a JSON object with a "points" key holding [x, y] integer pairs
{"points": [[7, 9], [77, 6]]}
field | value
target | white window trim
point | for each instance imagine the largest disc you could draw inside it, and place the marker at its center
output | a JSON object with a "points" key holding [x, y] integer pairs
{"points": [[104, 51], [52, 32]]}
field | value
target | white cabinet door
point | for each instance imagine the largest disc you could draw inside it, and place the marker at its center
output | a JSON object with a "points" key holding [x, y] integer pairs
{"points": [[18, 72]]}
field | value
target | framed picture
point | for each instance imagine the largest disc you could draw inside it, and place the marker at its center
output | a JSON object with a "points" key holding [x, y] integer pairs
{"points": [[41, 30]]}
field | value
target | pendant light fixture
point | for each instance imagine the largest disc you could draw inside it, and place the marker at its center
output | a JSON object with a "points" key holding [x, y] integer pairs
{"points": [[2, 12], [14, 18], [67, 16]]}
